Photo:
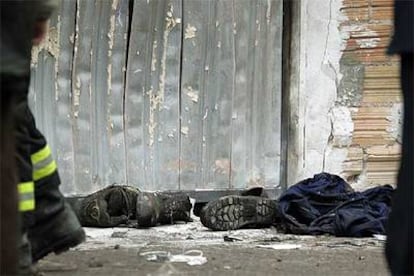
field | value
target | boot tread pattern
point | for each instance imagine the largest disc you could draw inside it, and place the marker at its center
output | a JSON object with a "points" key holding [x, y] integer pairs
{"points": [[234, 212]]}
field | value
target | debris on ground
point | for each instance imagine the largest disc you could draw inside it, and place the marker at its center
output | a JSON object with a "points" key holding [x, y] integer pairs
{"points": [[280, 246], [227, 238], [191, 257]]}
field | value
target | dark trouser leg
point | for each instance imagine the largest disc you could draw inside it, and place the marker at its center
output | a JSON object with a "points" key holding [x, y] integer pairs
{"points": [[8, 190], [400, 247], [52, 226]]}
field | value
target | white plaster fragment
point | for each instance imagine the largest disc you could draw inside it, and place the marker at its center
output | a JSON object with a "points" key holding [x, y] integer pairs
{"points": [[395, 122], [365, 43], [342, 126]]}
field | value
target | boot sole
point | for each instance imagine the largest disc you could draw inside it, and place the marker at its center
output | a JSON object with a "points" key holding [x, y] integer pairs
{"points": [[235, 212], [69, 241]]}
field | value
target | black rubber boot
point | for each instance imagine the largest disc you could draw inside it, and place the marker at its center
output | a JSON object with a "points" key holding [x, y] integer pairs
{"points": [[235, 212], [162, 208], [25, 256], [53, 226], [109, 207]]}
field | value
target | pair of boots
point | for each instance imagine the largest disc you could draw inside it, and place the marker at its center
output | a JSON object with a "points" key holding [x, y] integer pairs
{"points": [[51, 227], [251, 209], [116, 205]]}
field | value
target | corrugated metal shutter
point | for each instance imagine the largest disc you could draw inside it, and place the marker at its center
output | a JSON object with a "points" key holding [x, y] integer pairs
{"points": [[186, 95]]}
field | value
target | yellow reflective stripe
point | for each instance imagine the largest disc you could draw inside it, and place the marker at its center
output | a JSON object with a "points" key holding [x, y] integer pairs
{"points": [[45, 171], [41, 154], [26, 195], [25, 187], [27, 205]]}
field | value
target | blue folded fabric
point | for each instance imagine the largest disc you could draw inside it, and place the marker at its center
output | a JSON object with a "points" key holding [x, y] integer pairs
{"points": [[326, 204]]}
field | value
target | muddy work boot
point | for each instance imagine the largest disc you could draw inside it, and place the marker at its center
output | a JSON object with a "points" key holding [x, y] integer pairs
{"points": [[53, 226], [109, 207], [235, 212], [162, 208]]}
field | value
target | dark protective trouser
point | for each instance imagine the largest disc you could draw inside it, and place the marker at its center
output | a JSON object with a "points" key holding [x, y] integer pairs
{"points": [[400, 232], [36, 171], [36, 166]]}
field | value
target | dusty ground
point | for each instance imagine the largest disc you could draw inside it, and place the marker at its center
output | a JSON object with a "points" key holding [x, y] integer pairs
{"points": [[126, 251]]}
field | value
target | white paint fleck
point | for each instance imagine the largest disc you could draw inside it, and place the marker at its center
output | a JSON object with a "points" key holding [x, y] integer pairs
{"points": [[190, 32], [154, 56], [193, 94], [50, 44], [268, 11], [184, 130], [72, 38], [205, 114]]}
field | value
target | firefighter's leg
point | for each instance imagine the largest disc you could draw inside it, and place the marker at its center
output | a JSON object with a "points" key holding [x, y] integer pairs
{"points": [[52, 226]]}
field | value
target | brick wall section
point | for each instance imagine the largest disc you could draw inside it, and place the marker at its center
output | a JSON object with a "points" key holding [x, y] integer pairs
{"points": [[373, 157]]}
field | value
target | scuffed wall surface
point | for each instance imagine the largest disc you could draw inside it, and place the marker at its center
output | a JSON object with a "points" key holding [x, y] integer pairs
{"points": [[349, 97], [320, 45], [373, 157]]}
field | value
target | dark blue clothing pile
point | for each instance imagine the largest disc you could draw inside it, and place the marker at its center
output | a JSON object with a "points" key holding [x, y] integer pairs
{"points": [[326, 204]]}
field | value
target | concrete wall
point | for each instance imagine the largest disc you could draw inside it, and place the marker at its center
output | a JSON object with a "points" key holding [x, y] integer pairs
{"points": [[345, 116]]}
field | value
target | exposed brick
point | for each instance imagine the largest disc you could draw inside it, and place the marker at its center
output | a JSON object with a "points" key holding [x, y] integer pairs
{"points": [[382, 71], [382, 3], [356, 14], [382, 13], [368, 56], [355, 3]]}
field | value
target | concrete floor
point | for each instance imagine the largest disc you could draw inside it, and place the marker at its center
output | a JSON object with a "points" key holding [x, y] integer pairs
{"points": [[165, 250]]}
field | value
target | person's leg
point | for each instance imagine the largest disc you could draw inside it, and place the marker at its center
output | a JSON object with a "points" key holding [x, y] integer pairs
{"points": [[400, 247], [8, 191], [52, 226], [26, 184]]}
